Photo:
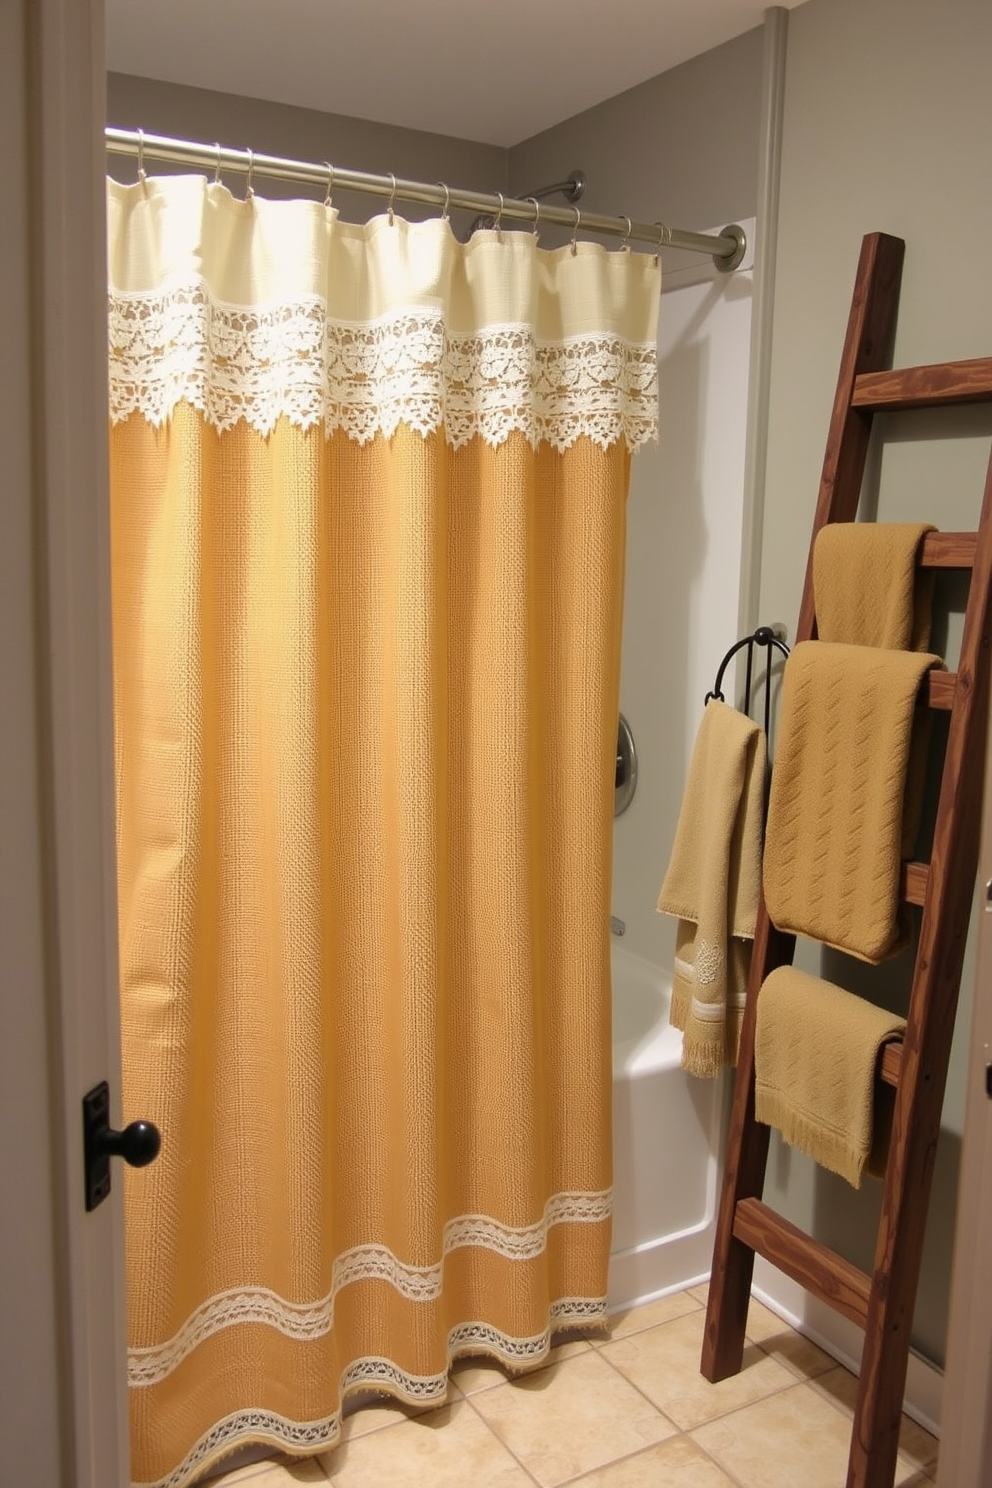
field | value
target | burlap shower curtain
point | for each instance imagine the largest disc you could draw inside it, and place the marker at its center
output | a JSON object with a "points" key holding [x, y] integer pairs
{"points": [[368, 490]]}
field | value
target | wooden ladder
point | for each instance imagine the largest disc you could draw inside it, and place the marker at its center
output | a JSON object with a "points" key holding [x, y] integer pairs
{"points": [[882, 1303]]}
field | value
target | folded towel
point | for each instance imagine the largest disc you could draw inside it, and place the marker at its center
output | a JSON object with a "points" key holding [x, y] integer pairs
{"points": [[815, 1067], [866, 588], [712, 886], [840, 818]]}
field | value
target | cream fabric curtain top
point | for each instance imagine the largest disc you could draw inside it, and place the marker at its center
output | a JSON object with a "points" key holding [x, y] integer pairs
{"points": [[256, 309]]}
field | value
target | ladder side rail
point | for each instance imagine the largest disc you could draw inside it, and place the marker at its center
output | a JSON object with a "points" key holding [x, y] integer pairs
{"points": [[927, 1044], [743, 1174], [867, 344]]}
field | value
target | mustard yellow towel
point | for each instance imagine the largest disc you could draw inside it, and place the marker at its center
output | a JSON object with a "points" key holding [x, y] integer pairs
{"points": [[712, 885], [839, 820], [866, 588], [815, 1068]]}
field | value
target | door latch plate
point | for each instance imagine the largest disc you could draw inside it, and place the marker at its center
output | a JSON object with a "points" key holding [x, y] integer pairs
{"points": [[96, 1120]]}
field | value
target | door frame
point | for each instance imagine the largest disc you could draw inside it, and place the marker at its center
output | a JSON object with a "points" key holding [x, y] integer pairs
{"points": [[62, 1314], [966, 1444]]}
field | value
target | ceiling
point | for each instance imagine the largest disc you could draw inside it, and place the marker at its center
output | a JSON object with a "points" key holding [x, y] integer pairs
{"points": [[494, 71]]}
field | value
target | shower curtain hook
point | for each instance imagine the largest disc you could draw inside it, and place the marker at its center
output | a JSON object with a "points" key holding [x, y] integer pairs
{"points": [[141, 157], [575, 229], [537, 214], [217, 167], [664, 238], [499, 217], [625, 245], [249, 189], [392, 197], [447, 200], [330, 183]]}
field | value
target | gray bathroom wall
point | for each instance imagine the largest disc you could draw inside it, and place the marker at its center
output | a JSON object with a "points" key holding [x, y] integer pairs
{"points": [[887, 126], [680, 148], [302, 134]]}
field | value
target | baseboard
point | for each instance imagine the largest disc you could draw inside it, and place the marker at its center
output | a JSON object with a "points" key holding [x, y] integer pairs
{"points": [[843, 1340]]}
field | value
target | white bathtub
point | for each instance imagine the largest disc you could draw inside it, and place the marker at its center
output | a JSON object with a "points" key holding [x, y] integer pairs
{"points": [[667, 1130]]}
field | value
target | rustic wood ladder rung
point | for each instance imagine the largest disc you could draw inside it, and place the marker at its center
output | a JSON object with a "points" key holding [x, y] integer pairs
{"points": [[882, 1303]]}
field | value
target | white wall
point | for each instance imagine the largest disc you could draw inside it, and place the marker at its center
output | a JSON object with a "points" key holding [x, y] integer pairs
{"points": [[683, 565]]}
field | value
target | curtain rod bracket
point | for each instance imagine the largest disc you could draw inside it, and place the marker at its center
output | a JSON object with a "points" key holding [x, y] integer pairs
{"points": [[730, 261]]}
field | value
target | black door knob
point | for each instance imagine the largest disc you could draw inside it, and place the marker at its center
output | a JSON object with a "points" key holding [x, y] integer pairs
{"points": [[138, 1144]]}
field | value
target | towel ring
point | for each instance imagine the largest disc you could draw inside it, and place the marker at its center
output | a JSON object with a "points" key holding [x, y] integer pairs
{"points": [[763, 636]]}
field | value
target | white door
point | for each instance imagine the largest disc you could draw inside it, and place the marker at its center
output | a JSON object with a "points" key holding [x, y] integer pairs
{"points": [[62, 1394]]}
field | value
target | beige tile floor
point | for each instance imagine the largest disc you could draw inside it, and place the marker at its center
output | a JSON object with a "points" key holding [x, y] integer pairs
{"points": [[627, 1411]]}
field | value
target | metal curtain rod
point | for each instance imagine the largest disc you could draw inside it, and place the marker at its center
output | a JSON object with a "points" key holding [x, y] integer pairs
{"points": [[727, 248]]}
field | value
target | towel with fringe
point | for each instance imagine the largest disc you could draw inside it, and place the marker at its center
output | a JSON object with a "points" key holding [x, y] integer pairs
{"points": [[843, 808], [816, 1055], [712, 886], [866, 589]]}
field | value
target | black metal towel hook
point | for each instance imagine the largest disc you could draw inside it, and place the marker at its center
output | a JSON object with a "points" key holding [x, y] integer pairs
{"points": [[763, 636]]}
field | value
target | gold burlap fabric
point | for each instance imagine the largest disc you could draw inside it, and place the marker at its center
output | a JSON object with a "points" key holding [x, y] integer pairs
{"points": [[815, 1061], [712, 883], [866, 587], [366, 701], [840, 818]]}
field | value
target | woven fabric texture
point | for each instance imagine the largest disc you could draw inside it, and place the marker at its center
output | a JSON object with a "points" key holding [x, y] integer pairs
{"points": [[839, 816], [815, 1066], [366, 703], [866, 586], [711, 886]]}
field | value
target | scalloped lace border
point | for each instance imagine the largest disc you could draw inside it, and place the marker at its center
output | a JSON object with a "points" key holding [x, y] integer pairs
{"points": [[262, 363], [309, 1320], [383, 1376]]}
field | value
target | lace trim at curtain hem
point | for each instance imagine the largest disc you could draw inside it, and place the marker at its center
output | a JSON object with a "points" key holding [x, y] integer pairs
{"points": [[260, 363], [381, 1376], [309, 1320]]}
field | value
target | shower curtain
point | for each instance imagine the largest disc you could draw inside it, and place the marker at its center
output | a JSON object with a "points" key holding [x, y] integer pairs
{"points": [[368, 501]]}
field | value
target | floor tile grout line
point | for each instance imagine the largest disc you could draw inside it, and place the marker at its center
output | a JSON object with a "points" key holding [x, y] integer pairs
{"points": [[730, 1411], [600, 1343], [848, 1413], [642, 1452], [505, 1445], [654, 1406]]}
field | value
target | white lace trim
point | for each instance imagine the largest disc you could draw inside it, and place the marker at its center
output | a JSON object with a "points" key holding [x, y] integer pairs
{"points": [[261, 363], [309, 1320], [253, 1427]]}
